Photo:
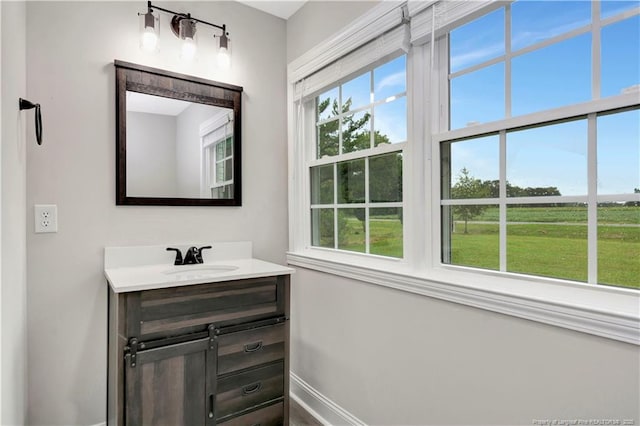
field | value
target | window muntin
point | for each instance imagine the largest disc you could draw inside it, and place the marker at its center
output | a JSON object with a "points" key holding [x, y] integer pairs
{"points": [[550, 180], [356, 176]]}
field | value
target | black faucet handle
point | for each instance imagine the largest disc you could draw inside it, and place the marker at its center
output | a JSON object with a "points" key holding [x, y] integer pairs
{"points": [[199, 253], [178, 260]]}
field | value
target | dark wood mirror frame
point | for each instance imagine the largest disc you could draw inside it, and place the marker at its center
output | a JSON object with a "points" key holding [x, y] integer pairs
{"points": [[152, 81]]}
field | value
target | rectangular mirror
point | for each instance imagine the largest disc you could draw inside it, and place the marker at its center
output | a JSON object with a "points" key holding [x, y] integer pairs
{"points": [[178, 139]]}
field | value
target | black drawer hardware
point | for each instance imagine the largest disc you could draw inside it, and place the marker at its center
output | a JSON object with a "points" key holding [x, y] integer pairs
{"points": [[252, 388], [253, 347], [211, 406]]}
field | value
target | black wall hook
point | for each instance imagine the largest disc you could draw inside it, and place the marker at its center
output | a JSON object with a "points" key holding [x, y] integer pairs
{"points": [[25, 104]]}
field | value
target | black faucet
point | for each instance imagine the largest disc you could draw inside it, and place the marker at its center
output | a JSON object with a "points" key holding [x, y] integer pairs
{"points": [[193, 256]]}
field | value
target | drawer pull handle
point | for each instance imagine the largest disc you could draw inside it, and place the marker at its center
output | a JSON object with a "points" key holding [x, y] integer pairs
{"points": [[253, 347], [253, 388]]}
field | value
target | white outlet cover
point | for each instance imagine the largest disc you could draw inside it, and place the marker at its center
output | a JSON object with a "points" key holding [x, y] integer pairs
{"points": [[45, 218]]}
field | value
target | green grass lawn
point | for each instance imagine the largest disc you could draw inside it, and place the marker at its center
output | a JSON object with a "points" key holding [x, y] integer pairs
{"points": [[543, 248], [553, 250]]}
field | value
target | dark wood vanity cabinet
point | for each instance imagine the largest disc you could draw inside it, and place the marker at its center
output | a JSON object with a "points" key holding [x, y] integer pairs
{"points": [[205, 354]]}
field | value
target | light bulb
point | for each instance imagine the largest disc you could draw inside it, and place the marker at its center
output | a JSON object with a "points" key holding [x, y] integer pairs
{"points": [[188, 49], [224, 55], [149, 39], [224, 59], [149, 31]]}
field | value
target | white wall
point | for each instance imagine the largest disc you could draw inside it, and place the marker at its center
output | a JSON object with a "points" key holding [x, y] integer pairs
{"points": [[70, 50], [13, 246], [188, 147], [151, 159], [389, 357]]}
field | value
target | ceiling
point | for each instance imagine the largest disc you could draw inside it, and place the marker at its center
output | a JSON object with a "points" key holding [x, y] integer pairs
{"points": [[281, 8]]}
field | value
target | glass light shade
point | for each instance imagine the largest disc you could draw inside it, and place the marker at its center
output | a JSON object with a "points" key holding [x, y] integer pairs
{"points": [[224, 52], [149, 32], [188, 36]]}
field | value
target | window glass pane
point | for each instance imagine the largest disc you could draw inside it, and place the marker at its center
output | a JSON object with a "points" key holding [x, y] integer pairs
{"points": [[327, 104], [548, 240], [228, 168], [322, 184], [220, 171], [552, 77], [471, 236], [220, 151], [351, 181], [385, 231], [470, 168], [390, 79], [328, 139], [619, 153], [536, 21], [477, 41], [356, 132], [357, 92], [229, 146], [351, 230], [619, 244], [322, 225], [549, 160], [385, 178], [477, 97], [621, 57], [390, 121], [612, 7]]}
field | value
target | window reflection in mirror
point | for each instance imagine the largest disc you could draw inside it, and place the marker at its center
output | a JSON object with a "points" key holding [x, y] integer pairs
{"points": [[178, 149]]}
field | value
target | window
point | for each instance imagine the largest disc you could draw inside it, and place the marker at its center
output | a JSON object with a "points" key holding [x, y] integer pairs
{"points": [[357, 171], [217, 157], [508, 177], [545, 176]]}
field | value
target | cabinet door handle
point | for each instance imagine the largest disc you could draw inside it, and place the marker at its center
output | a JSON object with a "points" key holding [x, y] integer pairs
{"points": [[252, 388], [211, 406], [252, 347]]}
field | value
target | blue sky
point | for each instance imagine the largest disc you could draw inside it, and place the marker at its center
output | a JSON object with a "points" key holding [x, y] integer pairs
{"points": [[554, 76]]}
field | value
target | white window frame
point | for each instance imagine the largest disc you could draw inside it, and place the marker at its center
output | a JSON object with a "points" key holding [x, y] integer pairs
{"points": [[600, 310], [208, 149]]}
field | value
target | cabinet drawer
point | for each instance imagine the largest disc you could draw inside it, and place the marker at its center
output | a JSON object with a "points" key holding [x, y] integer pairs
{"points": [[249, 348], [239, 392], [180, 310], [273, 415]]}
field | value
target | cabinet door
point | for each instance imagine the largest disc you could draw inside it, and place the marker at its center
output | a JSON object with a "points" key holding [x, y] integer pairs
{"points": [[171, 385]]}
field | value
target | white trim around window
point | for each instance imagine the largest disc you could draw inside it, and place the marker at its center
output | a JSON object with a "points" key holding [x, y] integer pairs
{"points": [[604, 311]]}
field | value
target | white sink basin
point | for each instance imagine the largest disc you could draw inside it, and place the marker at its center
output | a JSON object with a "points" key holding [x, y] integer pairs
{"points": [[192, 272]]}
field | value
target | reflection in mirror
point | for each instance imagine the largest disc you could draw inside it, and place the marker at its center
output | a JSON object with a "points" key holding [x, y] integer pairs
{"points": [[178, 149], [178, 140]]}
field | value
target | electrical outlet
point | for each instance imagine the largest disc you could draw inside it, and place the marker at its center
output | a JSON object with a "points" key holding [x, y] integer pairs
{"points": [[46, 218]]}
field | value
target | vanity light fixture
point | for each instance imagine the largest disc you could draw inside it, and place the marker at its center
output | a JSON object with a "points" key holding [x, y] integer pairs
{"points": [[183, 25]]}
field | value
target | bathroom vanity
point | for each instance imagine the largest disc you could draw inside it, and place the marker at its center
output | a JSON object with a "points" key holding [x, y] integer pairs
{"points": [[204, 344]]}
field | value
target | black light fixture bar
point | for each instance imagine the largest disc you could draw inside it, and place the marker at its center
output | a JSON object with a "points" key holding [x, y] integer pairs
{"points": [[180, 15]]}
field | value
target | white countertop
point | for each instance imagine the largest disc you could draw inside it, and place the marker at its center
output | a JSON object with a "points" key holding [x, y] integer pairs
{"points": [[151, 267]]}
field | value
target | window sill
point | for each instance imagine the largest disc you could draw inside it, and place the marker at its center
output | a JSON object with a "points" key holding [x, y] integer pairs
{"points": [[603, 311]]}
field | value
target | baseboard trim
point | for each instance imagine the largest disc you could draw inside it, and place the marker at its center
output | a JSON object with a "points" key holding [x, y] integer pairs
{"points": [[319, 406], [100, 424]]}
